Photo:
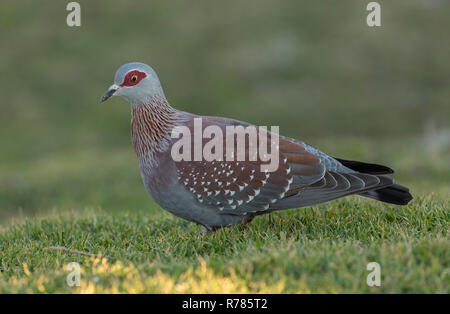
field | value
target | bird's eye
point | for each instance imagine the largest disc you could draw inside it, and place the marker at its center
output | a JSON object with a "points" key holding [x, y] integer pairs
{"points": [[133, 77]]}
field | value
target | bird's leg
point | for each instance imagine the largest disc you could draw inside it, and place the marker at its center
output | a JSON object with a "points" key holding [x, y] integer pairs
{"points": [[202, 233], [247, 220], [205, 232]]}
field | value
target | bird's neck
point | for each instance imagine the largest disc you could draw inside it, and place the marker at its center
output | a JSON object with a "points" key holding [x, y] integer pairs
{"points": [[151, 126]]}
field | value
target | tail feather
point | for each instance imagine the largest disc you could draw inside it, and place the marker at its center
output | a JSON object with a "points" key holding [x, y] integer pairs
{"points": [[394, 194], [366, 180], [365, 167]]}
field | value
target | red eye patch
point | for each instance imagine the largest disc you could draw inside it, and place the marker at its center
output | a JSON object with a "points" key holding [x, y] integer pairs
{"points": [[133, 77]]}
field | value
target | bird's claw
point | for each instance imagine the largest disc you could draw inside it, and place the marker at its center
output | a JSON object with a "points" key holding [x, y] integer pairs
{"points": [[203, 233]]}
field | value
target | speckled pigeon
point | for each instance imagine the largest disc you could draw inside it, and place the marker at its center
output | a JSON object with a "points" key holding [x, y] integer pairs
{"points": [[223, 192]]}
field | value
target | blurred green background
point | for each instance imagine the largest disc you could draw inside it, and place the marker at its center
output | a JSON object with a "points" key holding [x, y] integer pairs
{"points": [[312, 67]]}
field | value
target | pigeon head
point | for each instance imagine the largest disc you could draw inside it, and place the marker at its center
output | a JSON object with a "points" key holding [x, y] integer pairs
{"points": [[136, 82]]}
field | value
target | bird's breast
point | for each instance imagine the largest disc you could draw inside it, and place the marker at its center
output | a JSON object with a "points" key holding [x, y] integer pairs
{"points": [[150, 131]]}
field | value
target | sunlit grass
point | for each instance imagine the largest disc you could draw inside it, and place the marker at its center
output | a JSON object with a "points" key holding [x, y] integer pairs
{"points": [[319, 249]]}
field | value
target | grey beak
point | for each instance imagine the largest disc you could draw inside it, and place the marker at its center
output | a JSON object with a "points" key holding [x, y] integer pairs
{"points": [[110, 92]]}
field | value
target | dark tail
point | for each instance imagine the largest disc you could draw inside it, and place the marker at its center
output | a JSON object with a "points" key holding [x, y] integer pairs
{"points": [[394, 194]]}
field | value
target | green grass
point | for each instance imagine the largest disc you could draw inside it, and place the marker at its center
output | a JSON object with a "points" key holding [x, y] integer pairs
{"points": [[69, 177], [314, 250]]}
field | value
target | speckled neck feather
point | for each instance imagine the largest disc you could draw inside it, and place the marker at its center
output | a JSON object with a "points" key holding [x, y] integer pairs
{"points": [[151, 126]]}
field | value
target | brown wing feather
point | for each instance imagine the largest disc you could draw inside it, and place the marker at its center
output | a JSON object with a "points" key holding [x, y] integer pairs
{"points": [[240, 187]]}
